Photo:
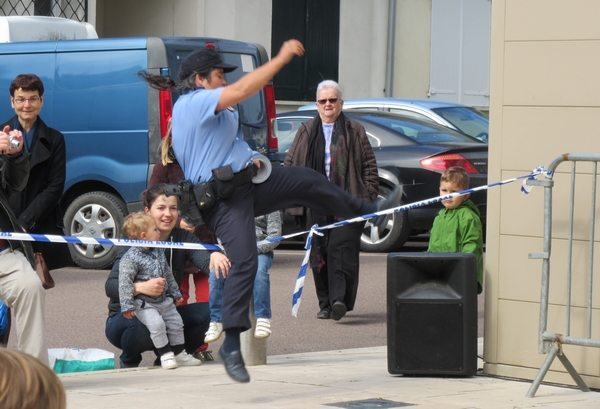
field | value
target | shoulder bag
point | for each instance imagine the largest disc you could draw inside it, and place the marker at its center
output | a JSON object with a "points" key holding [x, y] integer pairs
{"points": [[42, 271]]}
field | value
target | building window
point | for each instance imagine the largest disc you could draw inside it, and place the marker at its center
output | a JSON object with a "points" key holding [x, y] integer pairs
{"points": [[71, 9], [316, 23]]}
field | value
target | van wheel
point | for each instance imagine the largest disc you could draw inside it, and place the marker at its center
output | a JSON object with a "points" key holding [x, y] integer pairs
{"points": [[391, 236], [98, 215]]}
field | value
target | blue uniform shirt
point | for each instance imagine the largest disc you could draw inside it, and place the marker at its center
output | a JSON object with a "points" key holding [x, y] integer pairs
{"points": [[204, 139]]}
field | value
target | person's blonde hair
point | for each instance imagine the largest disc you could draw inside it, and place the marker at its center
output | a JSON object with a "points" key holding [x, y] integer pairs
{"points": [[27, 383], [135, 224], [166, 153], [456, 175]]}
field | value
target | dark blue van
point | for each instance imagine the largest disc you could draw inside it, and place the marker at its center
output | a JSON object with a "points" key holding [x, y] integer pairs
{"points": [[113, 121]]}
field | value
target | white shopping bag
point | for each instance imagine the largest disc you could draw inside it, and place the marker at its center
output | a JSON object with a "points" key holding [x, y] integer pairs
{"points": [[64, 360]]}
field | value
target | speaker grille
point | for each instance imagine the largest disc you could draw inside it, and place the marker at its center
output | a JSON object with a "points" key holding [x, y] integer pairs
{"points": [[429, 337]]}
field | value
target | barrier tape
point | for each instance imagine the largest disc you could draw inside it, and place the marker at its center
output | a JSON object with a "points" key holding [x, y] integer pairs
{"points": [[51, 238], [297, 296]]}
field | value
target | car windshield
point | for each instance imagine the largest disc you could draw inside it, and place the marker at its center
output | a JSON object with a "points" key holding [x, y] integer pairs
{"points": [[419, 131], [467, 120]]}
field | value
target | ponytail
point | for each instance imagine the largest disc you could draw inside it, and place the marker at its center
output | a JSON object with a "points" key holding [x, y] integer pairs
{"points": [[166, 152], [161, 82]]}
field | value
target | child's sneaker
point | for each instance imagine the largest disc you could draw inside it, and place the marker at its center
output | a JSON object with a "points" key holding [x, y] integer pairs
{"points": [[167, 361], [185, 359], [263, 328], [214, 332]]}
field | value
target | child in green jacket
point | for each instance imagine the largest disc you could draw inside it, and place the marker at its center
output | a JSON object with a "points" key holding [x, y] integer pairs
{"points": [[457, 228]]}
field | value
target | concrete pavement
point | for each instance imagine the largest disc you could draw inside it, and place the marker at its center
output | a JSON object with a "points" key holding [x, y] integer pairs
{"points": [[352, 378]]}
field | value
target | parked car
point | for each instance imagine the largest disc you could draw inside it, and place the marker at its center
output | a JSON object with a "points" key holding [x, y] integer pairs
{"points": [[113, 121], [459, 117], [412, 153]]}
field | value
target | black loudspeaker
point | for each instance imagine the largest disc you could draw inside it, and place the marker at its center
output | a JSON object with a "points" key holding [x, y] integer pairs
{"points": [[432, 313]]}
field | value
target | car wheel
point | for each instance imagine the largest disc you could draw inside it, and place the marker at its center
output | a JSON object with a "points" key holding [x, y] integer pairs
{"points": [[98, 215], [391, 236]]}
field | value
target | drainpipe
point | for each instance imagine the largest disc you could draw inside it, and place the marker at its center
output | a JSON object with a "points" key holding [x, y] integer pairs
{"points": [[391, 45]]}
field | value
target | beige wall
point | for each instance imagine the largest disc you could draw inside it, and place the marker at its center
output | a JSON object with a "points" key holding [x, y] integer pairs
{"points": [[413, 49], [243, 20], [363, 48], [545, 101], [363, 45]]}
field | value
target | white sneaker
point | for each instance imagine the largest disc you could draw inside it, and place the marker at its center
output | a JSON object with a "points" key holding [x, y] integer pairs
{"points": [[167, 361], [185, 359], [263, 328], [214, 332]]}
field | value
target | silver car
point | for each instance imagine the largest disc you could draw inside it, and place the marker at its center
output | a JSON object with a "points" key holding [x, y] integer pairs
{"points": [[459, 117]]}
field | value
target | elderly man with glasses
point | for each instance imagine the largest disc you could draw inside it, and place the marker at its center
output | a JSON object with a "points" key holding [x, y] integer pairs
{"points": [[338, 148]]}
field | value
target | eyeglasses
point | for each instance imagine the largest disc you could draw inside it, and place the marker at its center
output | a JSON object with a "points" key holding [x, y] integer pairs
{"points": [[324, 101], [21, 100]]}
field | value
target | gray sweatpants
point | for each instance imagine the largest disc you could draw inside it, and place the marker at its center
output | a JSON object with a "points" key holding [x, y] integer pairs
{"points": [[162, 320]]}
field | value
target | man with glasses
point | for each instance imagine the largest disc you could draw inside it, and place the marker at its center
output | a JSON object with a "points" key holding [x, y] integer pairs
{"points": [[37, 205], [338, 148]]}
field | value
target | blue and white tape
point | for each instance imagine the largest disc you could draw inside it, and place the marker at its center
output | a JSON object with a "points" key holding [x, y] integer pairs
{"points": [[296, 297], [50, 238]]}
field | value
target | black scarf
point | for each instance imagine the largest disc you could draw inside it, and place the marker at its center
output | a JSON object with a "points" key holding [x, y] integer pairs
{"points": [[315, 154]]}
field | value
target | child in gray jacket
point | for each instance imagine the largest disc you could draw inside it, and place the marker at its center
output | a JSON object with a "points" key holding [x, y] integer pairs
{"points": [[157, 313]]}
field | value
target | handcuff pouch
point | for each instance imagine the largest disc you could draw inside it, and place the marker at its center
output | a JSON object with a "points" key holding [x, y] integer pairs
{"points": [[224, 181]]}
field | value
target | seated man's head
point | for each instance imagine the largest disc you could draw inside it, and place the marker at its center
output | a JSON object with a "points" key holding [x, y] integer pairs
{"points": [[454, 179], [329, 101]]}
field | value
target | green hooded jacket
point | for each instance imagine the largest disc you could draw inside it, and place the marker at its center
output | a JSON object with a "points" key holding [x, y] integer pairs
{"points": [[459, 231]]}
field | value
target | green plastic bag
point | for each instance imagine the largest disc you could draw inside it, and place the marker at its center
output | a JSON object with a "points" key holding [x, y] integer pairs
{"points": [[67, 360]]}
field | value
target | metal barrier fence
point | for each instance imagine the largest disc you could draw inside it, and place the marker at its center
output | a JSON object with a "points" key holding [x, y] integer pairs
{"points": [[549, 342]]}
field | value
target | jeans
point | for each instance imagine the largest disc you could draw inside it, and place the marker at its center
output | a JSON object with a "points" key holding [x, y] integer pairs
{"points": [[262, 290], [133, 337]]}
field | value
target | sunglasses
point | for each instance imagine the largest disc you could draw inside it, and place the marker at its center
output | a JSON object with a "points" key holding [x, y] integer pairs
{"points": [[324, 101]]}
